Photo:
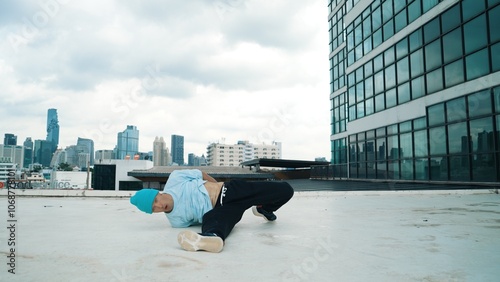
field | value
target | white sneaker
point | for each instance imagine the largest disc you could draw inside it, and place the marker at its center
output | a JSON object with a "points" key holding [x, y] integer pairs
{"points": [[192, 241]]}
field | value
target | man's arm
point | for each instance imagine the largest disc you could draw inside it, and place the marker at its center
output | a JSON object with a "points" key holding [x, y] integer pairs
{"points": [[207, 177]]}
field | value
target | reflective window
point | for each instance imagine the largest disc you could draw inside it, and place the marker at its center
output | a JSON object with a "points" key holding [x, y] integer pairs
{"points": [[477, 64], [407, 169], [400, 20], [414, 11], [483, 168], [498, 131], [450, 19], [406, 145], [420, 143], [367, 45], [432, 30], [454, 73], [495, 57], [435, 114], [475, 36], [458, 140], [369, 87], [437, 141], [459, 168], [377, 38], [417, 63], [452, 45], [376, 18], [367, 26], [369, 107], [438, 168], [492, 3], [388, 29], [416, 40], [479, 103], [378, 63], [360, 92], [403, 70], [402, 48], [361, 110], [387, 11], [393, 149], [471, 8], [496, 95], [494, 18], [390, 76], [368, 68], [481, 132], [434, 81], [433, 55], [380, 102], [379, 82], [417, 87], [389, 56], [421, 167], [391, 99], [419, 123], [428, 4], [393, 170], [380, 147], [404, 93], [456, 110], [352, 113], [405, 126]]}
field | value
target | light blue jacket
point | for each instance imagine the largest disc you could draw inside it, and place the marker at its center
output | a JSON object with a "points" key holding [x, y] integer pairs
{"points": [[191, 199]]}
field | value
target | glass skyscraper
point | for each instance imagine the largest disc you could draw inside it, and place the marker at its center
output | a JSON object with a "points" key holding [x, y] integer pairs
{"points": [[52, 129], [415, 89], [177, 146], [128, 143]]}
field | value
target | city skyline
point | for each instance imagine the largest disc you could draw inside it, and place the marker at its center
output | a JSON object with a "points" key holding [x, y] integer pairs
{"points": [[105, 65]]}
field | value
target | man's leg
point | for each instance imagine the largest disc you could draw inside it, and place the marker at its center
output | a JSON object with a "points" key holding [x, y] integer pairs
{"points": [[222, 219]]}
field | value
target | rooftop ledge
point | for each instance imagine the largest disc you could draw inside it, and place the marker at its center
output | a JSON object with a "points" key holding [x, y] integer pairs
{"points": [[85, 235]]}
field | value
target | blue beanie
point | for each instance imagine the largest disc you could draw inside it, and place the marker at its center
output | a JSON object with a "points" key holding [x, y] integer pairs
{"points": [[144, 199]]}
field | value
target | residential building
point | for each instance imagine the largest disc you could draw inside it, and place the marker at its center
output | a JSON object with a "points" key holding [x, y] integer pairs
{"points": [[415, 90], [232, 155]]}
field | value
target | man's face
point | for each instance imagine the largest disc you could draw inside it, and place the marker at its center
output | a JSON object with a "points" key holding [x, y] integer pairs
{"points": [[163, 203]]}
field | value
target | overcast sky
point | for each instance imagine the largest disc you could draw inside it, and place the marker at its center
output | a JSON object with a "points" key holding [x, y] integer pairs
{"points": [[211, 71]]}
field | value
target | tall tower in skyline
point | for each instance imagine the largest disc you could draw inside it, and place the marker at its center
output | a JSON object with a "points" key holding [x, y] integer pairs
{"points": [[160, 152], [28, 151], [86, 146], [177, 146], [52, 129], [128, 143], [10, 139]]}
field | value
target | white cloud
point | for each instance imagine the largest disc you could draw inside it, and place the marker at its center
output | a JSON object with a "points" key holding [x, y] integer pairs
{"points": [[234, 69]]}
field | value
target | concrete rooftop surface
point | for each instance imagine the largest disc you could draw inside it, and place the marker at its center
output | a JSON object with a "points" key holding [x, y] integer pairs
{"points": [[444, 235]]}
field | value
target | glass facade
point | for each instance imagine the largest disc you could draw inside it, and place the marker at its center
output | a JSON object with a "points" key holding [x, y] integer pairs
{"points": [[383, 59]]}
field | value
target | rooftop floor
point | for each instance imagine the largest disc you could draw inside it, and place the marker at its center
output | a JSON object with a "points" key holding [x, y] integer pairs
{"points": [[446, 235]]}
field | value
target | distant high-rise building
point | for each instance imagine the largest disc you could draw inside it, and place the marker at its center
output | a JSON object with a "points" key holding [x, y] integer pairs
{"points": [[177, 146], [10, 139], [52, 129], [128, 143], [160, 152], [28, 152], [12, 154], [194, 160], [43, 152], [104, 155], [86, 146]]}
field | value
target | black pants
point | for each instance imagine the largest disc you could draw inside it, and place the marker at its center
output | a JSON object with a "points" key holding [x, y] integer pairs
{"points": [[238, 197]]}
